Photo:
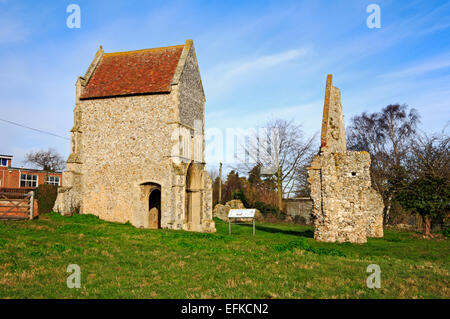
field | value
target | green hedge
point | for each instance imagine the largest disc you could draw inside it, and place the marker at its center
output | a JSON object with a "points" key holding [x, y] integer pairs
{"points": [[267, 209], [46, 197]]}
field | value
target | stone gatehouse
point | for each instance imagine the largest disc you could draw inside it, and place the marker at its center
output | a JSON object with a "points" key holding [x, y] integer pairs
{"points": [[137, 144]]}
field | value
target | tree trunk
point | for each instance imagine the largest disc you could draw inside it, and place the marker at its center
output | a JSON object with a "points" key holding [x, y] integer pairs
{"points": [[279, 190], [426, 226], [388, 209]]}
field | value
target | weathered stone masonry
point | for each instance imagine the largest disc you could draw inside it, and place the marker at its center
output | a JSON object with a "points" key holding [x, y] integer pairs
{"points": [[137, 145], [345, 206]]}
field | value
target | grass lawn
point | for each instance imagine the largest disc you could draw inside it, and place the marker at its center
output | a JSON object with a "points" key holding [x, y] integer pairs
{"points": [[281, 261]]}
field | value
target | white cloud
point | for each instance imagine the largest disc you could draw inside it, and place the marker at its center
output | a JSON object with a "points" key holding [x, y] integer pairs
{"points": [[434, 64], [264, 62], [221, 78]]}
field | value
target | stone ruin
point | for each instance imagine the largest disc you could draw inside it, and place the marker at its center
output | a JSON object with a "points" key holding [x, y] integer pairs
{"points": [[345, 206]]}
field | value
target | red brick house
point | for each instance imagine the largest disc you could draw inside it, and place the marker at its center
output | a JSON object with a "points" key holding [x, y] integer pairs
{"points": [[15, 177]]}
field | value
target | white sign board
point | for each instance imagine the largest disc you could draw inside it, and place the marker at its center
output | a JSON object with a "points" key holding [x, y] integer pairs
{"points": [[242, 213]]}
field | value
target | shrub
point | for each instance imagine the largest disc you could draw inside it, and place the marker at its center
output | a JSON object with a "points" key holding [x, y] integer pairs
{"points": [[300, 220], [398, 215], [46, 197], [239, 194], [268, 209]]}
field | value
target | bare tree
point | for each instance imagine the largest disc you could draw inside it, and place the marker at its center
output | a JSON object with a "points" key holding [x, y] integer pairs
{"points": [[387, 136], [398, 126], [281, 151], [430, 156], [49, 160]]}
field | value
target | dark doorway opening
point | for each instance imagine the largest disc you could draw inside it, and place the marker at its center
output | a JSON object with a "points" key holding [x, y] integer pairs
{"points": [[154, 209]]}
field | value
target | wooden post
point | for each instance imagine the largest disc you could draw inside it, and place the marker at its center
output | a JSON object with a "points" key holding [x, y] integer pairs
{"points": [[229, 226], [253, 227], [220, 182], [31, 204]]}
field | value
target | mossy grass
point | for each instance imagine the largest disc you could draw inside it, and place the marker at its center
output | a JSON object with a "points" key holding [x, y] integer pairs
{"points": [[281, 261]]}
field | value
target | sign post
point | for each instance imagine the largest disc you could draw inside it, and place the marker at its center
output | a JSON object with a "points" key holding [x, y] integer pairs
{"points": [[241, 214]]}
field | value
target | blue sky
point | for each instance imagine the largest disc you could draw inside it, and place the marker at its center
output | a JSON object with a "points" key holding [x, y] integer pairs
{"points": [[258, 59]]}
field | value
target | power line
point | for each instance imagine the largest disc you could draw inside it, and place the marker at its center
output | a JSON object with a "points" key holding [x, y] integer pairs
{"points": [[35, 129]]}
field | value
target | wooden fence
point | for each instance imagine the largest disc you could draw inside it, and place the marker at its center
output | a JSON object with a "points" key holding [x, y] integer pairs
{"points": [[16, 204], [21, 191]]}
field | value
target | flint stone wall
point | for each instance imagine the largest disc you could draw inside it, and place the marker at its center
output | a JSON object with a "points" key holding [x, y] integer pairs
{"points": [[121, 145], [345, 206]]}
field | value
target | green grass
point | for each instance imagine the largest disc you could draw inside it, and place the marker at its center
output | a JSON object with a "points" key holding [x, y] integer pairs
{"points": [[281, 261]]}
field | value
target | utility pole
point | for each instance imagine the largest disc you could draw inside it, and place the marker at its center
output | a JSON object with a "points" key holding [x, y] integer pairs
{"points": [[275, 169], [220, 182]]}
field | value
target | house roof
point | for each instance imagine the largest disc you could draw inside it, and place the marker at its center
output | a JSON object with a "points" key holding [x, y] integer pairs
{"points": [[23, 170], [134, 72]]}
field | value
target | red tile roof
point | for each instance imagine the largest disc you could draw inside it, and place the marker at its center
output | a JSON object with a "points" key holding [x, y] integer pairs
{"points": [[134, 72]]}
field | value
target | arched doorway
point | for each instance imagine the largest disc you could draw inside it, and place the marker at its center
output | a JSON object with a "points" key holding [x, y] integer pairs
{"points": [[150, 196], [154, 209], [193, 197]]}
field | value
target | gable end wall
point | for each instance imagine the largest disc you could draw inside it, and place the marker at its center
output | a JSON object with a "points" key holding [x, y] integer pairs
{"points": [[192, 100]]}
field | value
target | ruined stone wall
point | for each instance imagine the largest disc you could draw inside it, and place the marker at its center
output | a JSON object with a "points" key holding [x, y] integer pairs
{"points": [[333, 127], [345, 206], [374, 214], [69, 197]]}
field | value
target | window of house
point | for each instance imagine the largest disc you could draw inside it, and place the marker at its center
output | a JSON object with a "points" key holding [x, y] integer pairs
{"points": [[28, 180], [53, 180], [3, 162]]}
